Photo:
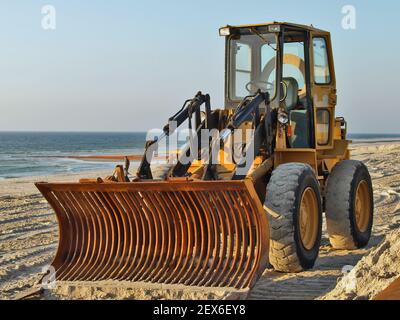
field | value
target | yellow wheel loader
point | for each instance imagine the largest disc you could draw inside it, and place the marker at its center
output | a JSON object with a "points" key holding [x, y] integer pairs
{"points": [[219, 224]]}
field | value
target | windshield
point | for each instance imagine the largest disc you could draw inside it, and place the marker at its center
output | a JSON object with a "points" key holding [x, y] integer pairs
{"points": [[252, 64]]}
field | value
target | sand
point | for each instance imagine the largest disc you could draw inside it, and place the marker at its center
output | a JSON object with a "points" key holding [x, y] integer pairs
{"points": [[28, 231], [373, 273], [28, 240]]}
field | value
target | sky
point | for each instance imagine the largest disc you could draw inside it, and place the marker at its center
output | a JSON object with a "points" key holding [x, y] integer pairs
{"points": [[129, 65]]}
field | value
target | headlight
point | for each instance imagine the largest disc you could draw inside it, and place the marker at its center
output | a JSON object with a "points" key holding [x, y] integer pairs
{"points": [[226, 31], [283, 118], [274, 28]]}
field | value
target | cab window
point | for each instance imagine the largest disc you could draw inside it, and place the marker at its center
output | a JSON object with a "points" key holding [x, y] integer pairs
{"points": [[252, 65], [293, 62], [322, 73], [243, 69]]}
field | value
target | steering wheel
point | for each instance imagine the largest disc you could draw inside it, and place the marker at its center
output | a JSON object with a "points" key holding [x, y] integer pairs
{"points": [[262, 85], [289, 59]]}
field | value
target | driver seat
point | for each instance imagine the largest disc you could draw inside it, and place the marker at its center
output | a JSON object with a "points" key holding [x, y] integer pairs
{"points": [[292, 89], [298, 118]]}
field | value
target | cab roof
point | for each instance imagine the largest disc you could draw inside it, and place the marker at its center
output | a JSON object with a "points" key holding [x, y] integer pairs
{"points": [[286, 24]]}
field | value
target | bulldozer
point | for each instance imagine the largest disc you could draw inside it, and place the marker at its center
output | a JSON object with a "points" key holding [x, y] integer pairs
{"points": [[221, 224]]}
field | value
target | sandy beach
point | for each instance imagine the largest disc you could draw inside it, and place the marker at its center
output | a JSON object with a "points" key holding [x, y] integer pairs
{"points": [[28, 240]]}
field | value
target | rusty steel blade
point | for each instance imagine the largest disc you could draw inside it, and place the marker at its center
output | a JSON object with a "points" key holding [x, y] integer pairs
{"points": [[196, 233]]}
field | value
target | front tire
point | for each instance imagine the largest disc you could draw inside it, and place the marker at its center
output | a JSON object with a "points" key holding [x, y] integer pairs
{"points": [[293, 203], [349, 205]]}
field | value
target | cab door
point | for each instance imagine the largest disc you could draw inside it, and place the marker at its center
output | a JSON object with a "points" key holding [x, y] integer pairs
{"points": [[324, 89]]}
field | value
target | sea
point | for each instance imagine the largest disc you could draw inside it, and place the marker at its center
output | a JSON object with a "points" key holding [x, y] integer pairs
{"points": [[25, 154]]}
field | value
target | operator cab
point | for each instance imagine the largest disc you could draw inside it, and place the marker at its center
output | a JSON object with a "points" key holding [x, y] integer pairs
{"points": [[276, 58]]}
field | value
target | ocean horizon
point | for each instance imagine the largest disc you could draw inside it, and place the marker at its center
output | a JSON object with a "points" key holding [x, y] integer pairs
{"points": [[24, 154]]}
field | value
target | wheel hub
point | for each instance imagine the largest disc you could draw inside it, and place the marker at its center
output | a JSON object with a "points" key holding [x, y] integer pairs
{"points": [[308, 218], [362, 206]]}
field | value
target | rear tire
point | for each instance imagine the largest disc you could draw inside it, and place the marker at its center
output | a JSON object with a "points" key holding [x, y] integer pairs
{"points": [[294, 206], [349, 205]]}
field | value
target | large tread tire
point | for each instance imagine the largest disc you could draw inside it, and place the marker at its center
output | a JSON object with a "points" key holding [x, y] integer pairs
{"points": [[341, 188], [284, 193]]}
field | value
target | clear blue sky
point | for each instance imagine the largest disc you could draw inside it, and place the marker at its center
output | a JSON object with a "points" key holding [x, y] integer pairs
{"points": [[128, 65]]}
